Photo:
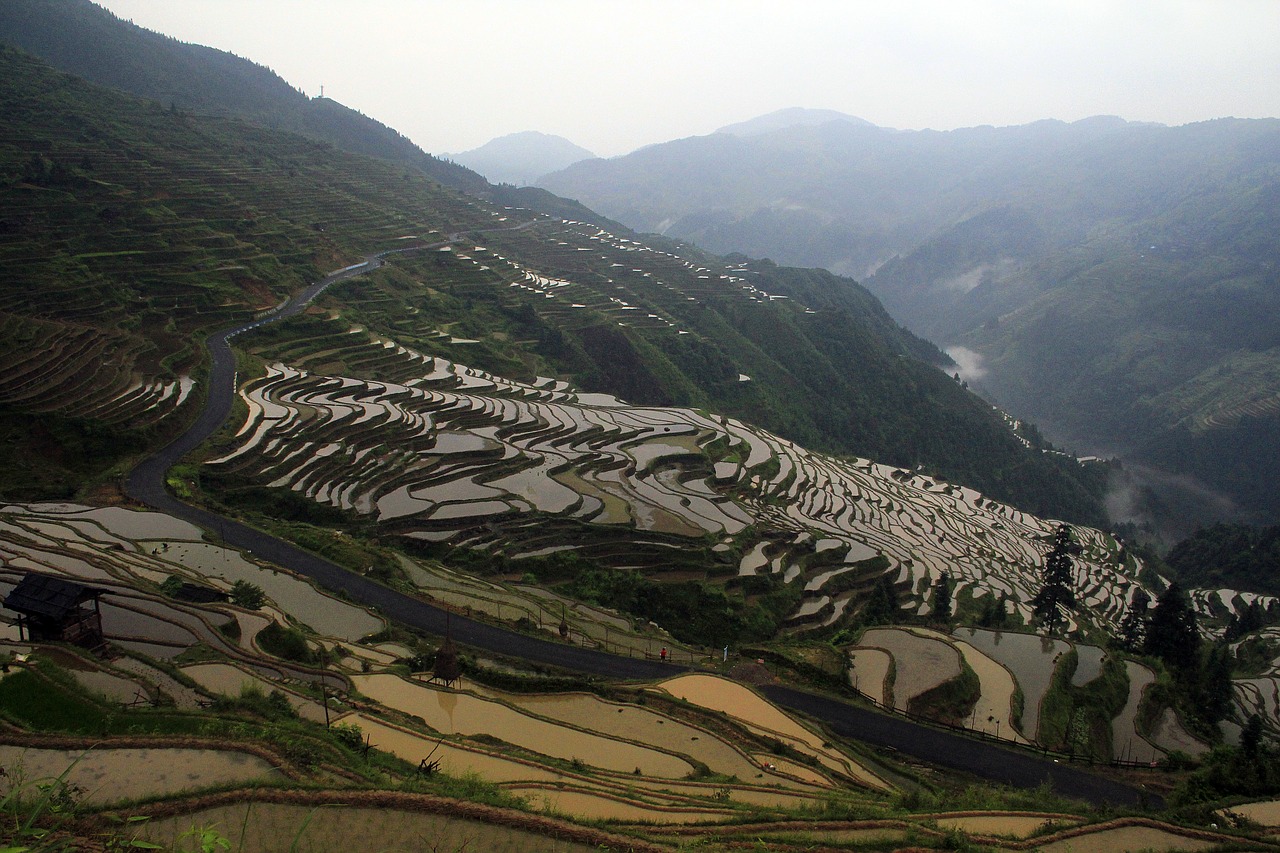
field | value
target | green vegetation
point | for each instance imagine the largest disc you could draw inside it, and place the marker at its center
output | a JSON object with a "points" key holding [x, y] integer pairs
{"points": [[1077, 720], [693, 611], [248, 595], [288, 642], [1251, 770], [45, 698], [882, 607], [1230, 555]]}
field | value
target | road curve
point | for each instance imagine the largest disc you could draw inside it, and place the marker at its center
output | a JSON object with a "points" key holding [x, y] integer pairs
{"points": [[146, 484], [1012, 767]]}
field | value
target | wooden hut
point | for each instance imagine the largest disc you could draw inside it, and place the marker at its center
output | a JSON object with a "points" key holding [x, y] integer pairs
{"points": [[53, 609]]}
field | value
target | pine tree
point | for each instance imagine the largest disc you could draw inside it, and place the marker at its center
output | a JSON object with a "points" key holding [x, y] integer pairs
{"points": [[1172, 635], [940, 603], [882, 605], [1055, 595], [1215, 683], [1133, 627]]}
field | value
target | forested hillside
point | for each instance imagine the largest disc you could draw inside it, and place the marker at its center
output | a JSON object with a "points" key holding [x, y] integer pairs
{"points": [[1230, 555], [90, 42]]}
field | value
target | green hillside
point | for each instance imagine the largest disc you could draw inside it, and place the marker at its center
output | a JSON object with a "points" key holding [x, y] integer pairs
{"points": [[92, 43]]}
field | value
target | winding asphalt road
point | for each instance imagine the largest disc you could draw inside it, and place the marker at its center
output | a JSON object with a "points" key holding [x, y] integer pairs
{"points": [[146, 484]]}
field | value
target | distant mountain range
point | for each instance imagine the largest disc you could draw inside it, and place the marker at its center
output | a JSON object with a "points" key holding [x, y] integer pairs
{"points": [[1115, 282], [521, 158]]}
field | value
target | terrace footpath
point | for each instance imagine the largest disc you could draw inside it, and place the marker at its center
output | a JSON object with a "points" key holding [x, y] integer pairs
{"points": [[146, 484]]}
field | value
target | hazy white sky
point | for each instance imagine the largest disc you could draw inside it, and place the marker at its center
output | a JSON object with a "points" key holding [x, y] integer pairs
{"points": [[613, 75]]}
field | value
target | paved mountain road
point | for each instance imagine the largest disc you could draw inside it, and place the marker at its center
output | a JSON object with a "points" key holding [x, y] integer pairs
{"points": [[146, 484]]}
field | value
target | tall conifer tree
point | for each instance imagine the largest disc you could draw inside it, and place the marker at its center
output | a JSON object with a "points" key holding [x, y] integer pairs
{"points": [[1055, 595]]}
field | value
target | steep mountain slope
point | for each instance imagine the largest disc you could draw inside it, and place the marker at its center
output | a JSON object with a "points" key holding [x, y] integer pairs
{"points": [[139, 226], [522, 158], [1117, 278], [90, 42]]}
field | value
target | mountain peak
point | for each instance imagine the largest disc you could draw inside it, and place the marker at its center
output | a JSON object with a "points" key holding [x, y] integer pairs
{"points": [[790, 117], [523, 157]]}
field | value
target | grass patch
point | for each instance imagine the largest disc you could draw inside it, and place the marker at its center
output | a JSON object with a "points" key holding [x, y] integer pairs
{"points": [[1058, 703], [1077, 720]]}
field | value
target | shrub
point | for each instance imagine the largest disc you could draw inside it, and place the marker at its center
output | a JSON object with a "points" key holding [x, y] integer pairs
{"points": [[285, 642], [248, 595]]}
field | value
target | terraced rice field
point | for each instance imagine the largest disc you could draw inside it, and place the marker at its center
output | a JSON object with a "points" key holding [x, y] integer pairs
{"points": [[1089, 666], [232, 681], [271, 827], [585, 792], [637, 723], [1127, 743], [923, 662], [453, 712], [108, 774], [1008, 825], [450, 453], [455, 759], [761, 716], [1266, 813], [1260, 696], [870, 672], [1169, 734], [123, 551], [1128, 838], [1030, 658], [993, 712]]}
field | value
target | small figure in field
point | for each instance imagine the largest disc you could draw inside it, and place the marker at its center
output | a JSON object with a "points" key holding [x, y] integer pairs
{"points": [[663, 654]]}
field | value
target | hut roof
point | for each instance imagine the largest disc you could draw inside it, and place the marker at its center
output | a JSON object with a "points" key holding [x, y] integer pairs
{"points": [[49, 597], [448, 668], [200, 594]]}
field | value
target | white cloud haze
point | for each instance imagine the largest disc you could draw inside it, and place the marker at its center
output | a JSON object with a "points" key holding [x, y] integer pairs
{"points": [[969, 364], [613, 75]]}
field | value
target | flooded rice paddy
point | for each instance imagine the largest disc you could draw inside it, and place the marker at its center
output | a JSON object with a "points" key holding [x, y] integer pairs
{"points": [[233, 681], [1266, 813], [1127, 743], [870, 672], [1006, 825], [759, 714], [926, 661], [1030, 658]]}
